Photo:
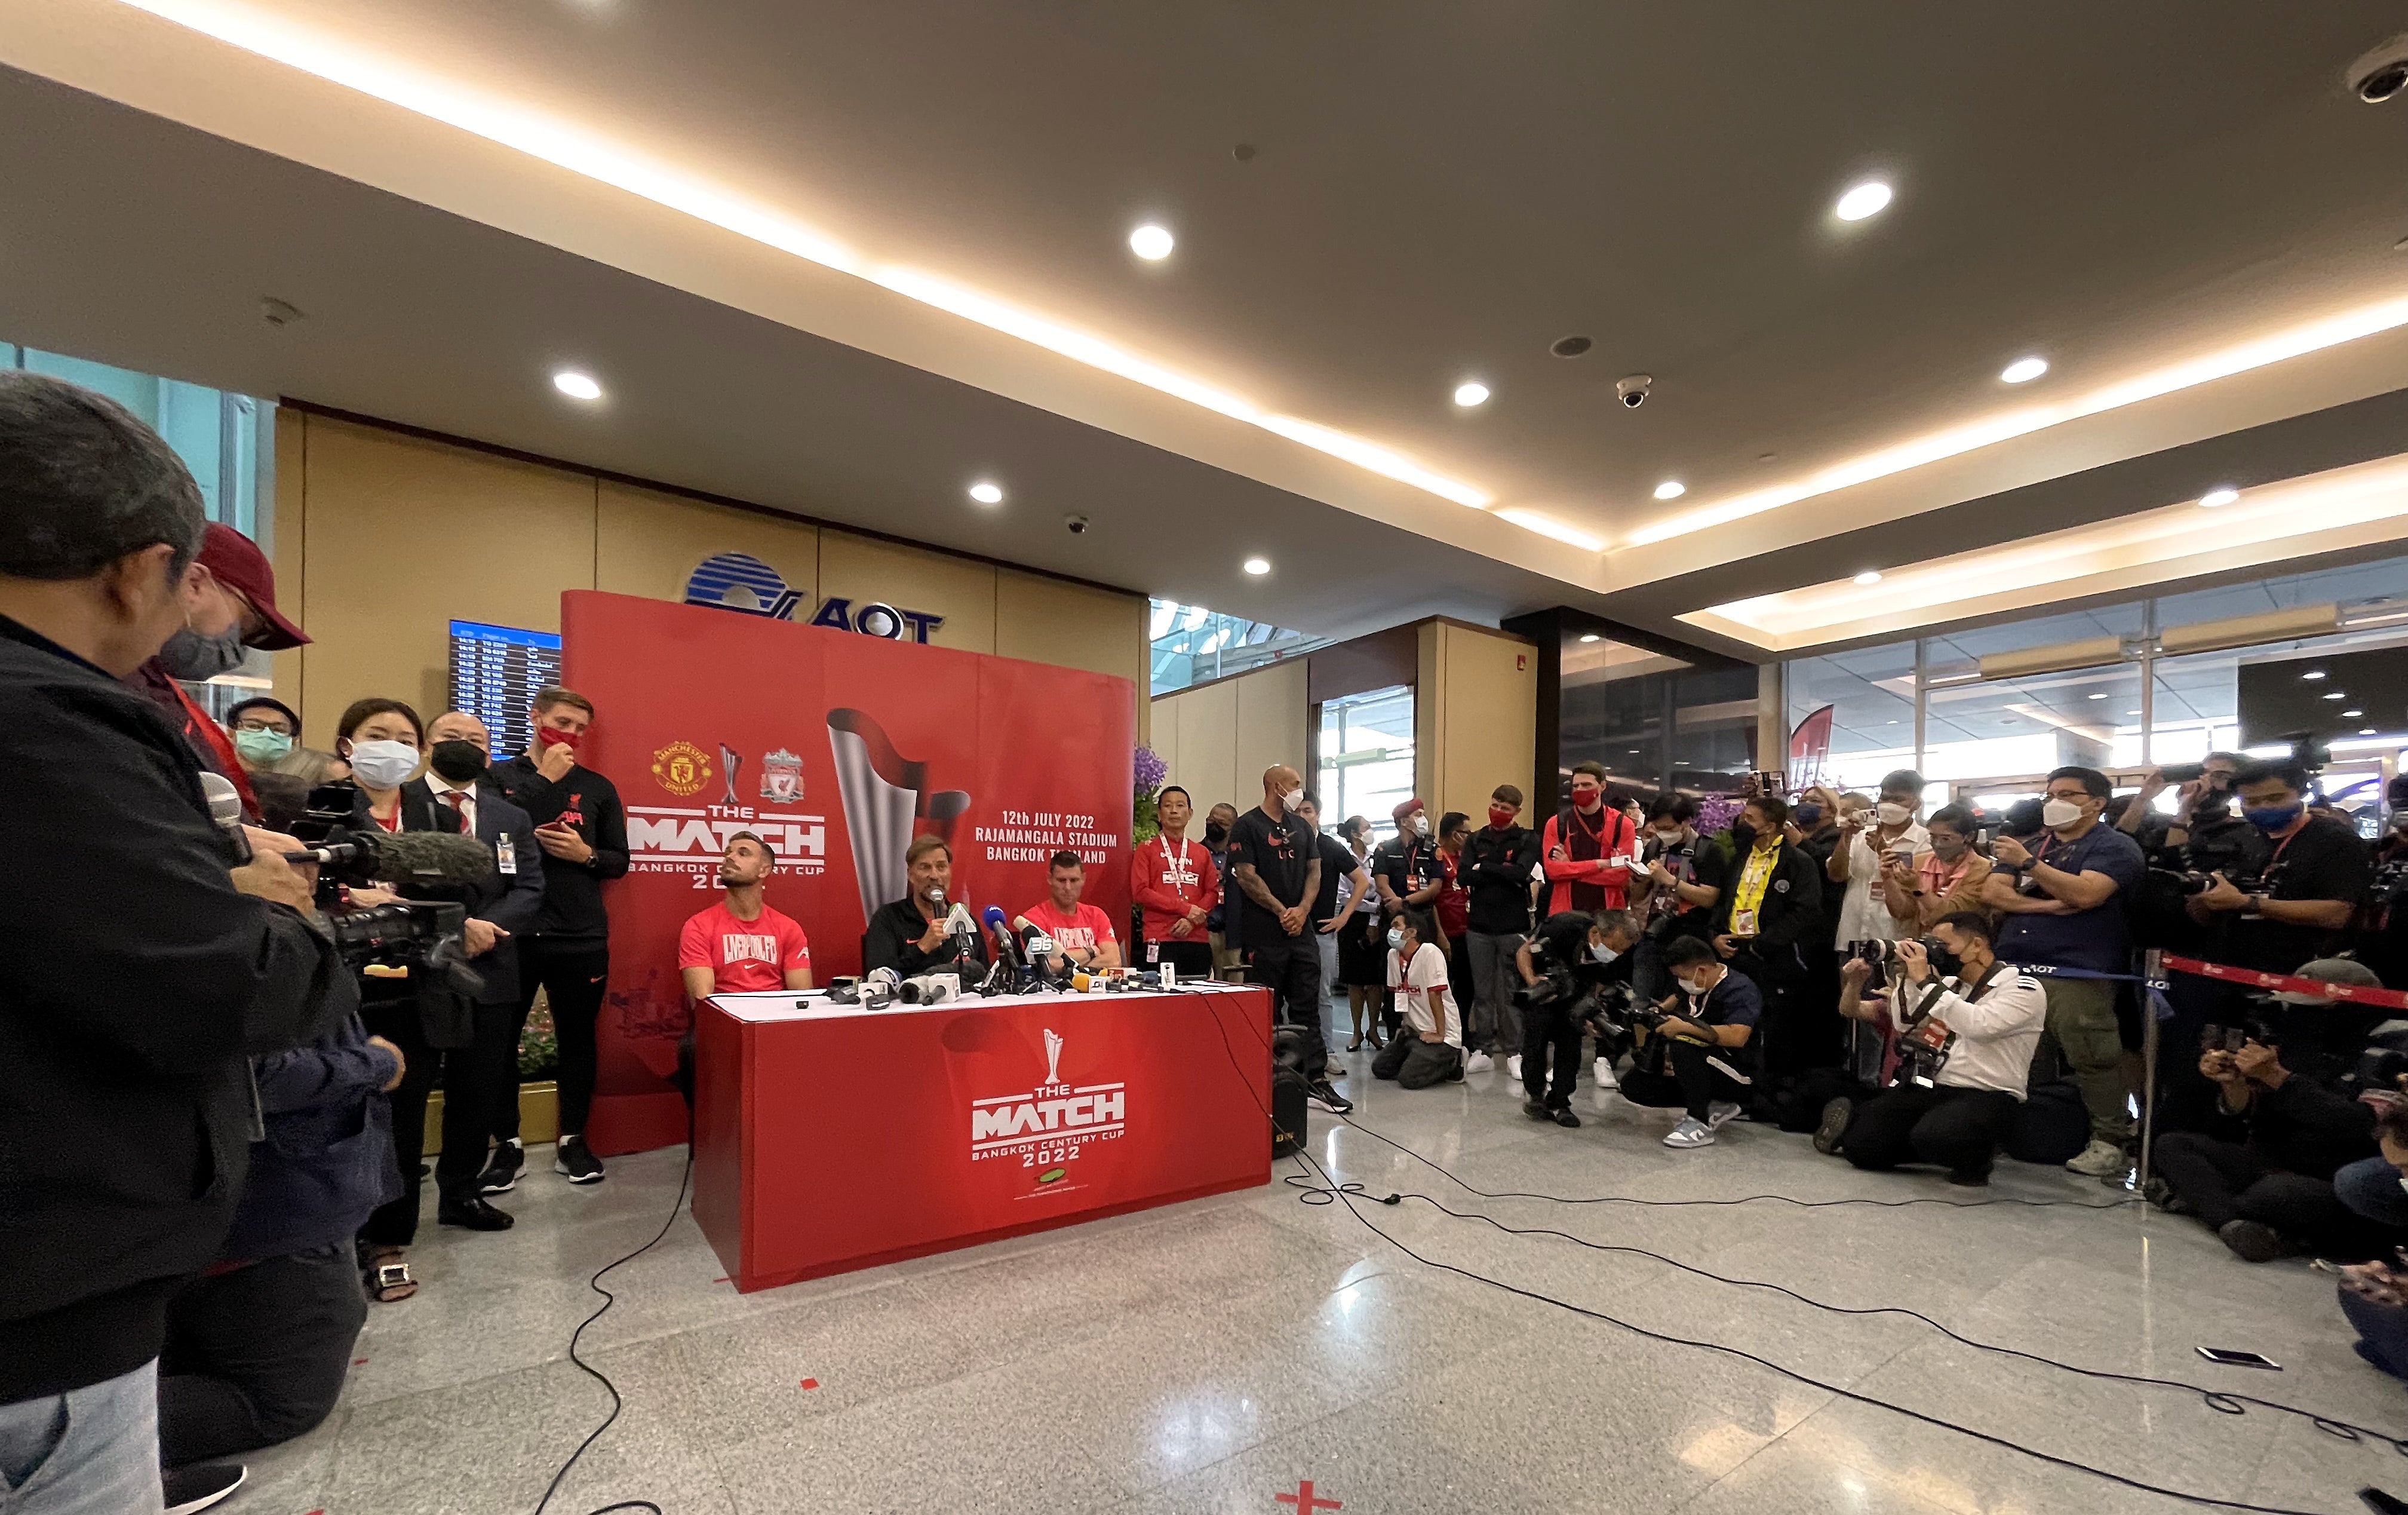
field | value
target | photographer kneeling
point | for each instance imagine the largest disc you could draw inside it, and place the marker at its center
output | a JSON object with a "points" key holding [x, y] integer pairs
{"points": [[1965, 1042], [1704, 1036], [1567, 969], [1428, 1048]]}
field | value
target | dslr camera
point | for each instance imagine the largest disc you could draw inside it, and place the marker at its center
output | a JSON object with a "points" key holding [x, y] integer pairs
{"points": [[423, 935]]}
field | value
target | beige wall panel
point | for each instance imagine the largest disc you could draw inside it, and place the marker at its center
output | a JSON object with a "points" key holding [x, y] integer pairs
{"points": [[1101, 630], [1488, 720], [863, 569], [1429, 700], [1162, 725], [403, 535], [1206, 722], [647, 544], [1270, 726]]}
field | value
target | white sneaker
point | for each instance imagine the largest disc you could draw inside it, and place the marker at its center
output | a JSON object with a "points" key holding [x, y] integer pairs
{"points": [[1477, 1063], [1513, 1067], [1605, 1073], [1689, 1133], [1721, 1113], [2098, 1159]]}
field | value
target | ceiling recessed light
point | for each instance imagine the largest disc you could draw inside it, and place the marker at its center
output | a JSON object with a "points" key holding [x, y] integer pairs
{"points": [[2216, 497], [1589, 636], [1258, 566], [1150, 242], [1569, 346], [2352, 715], [2098, 697], [1469, 394], [2024, 370], [2313, 675], [1670, 489], [2337, 695], [1866, 199], [986, 494], [1868, 576], [2366, 730], [576, 385]]}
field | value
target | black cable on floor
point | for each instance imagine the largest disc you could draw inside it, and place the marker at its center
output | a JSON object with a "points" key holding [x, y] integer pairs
{"points": [[617, 1404], [1329, 1192]]}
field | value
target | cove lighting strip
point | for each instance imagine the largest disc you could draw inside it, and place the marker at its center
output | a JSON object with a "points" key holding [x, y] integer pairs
{"points": [[279, 40], [2313, 337]]}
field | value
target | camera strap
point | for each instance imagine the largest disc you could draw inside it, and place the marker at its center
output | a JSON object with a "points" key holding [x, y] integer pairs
{"points": [[1925, 1040]]}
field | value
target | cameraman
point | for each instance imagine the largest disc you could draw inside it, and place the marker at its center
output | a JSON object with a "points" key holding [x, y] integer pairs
{"points": [[1970, 1026], [1704, 1037], [1573, 956], [136, 971]]}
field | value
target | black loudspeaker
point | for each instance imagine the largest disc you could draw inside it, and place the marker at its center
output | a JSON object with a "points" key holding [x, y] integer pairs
{"points": [[1288, 1093]]}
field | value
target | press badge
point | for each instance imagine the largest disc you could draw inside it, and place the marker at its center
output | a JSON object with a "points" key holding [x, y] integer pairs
{"points": [[1742, 922], [1154, 952], [506, 853]]}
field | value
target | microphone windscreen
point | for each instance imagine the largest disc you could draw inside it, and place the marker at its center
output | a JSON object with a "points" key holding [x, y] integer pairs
{"points": [[225, 800], [994, 915], [429, 857]]}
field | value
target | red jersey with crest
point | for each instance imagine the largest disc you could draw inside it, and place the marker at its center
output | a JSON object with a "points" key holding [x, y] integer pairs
{"points": [[743, 955]]}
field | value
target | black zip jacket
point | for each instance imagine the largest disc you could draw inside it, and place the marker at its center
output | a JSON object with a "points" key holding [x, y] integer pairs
{"points": [[572, 912], [2303, 1127], [1496, 868], [133, 981]]}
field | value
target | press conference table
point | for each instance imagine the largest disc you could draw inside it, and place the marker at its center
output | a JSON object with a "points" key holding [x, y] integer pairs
{"points": [[829, 1138]]}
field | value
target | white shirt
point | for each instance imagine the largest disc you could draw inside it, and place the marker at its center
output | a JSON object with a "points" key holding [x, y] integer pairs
{"points": [[1864, 916], [467, 793], [1422, 990], [1996, 1034]]}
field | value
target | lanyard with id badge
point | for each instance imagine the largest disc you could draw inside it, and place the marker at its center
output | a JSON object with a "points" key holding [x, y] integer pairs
{"points": [[506, 855]]}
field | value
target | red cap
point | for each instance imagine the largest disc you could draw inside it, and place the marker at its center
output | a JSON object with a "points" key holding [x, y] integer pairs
{"points": [[1406, 809], [236, 561]]}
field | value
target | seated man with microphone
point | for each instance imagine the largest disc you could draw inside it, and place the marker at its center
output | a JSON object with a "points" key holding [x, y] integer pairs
{"points": [[1082, 935], [923, 932]]}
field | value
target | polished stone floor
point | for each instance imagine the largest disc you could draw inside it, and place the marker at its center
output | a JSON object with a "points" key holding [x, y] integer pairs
{"points": [[1212, 1356]]}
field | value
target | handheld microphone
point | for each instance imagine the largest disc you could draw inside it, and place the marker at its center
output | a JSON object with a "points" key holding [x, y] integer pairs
{"points": [[443, 858], [226, 812]]}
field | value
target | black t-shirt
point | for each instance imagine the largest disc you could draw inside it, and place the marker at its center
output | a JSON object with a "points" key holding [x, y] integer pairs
{"points": [[2324, 859], [1409, 866], [1562, 939], [1337, 861], [1280, 852]]}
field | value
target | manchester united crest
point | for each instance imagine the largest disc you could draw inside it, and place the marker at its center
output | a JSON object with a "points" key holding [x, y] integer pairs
{"points": [[682, 768], [782, 777]]}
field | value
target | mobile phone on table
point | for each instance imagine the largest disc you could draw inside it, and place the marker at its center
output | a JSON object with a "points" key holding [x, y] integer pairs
{"points": [[2233, 1357]]}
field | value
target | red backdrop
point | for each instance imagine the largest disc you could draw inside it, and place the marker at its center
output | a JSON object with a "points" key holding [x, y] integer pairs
{"points": [[837, 747]]}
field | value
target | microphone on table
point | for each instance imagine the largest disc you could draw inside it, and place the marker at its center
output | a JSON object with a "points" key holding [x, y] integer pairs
{"points": [[403, 856], [962, 930], [225, 813], [1006, 948]]}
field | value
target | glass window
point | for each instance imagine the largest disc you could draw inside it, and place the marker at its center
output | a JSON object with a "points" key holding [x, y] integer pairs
{"points": [[225, 438], [1656, 722], [1871, 693], [1366, 758], [1192, 644]]}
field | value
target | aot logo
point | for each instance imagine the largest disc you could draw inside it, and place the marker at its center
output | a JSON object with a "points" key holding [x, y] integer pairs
{"points": [[1048, 1125], [741, 581]]}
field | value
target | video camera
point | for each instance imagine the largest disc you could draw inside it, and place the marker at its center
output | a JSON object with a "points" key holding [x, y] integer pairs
{"points": [[419, 935]]}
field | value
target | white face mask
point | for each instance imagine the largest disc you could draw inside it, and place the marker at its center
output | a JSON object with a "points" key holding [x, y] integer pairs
{"points": [[1411, 825], [2058, 813], [1289, 800], [1601, 952], [1893, 813], [1669, 839], [383, 765], [1693, 989], [1396, 940]]}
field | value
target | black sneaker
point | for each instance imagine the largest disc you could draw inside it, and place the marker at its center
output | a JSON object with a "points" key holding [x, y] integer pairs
{"points": [[582, 1167], [473, 1213], [1537, 1110], [1565, 1118], [1321, 1097], [1834, 1125], [201, 1485], [2254, 1241], [501, 1173]]}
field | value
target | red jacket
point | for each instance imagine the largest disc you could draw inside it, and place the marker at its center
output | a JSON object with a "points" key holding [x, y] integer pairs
{"points": [[1617, 837], [1166, 886]]}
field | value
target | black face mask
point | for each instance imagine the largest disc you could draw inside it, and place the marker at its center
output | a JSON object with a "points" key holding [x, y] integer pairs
{"points": [[459, 761], [1743, 836], [1214, 833]]}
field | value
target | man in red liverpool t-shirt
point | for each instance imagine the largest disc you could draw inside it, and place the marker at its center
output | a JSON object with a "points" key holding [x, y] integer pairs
{"points": [[1177, 884], [1083, 935], [740, 944]]}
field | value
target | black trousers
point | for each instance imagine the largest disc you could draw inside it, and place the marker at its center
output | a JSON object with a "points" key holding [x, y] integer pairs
{"points": [[2225, 1181], [1292, 971], [1191, 957], [1550, 1027], [1959, 1129], [575, 977], [257, 1356], [468, 1077], [1795, 1033], [1414, 1063], [1698, 1078]]}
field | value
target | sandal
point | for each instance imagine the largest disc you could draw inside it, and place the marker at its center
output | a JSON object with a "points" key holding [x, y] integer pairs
{"points": [[387, 1278]]}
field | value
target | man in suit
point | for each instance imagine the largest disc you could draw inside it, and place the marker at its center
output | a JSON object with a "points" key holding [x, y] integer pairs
{"points": [[474, 1077]]}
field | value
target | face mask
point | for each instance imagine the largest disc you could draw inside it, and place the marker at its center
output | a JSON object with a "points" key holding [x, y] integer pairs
{"points": [[1601, 952], [2271, 817], [1287, 801], [1944, 962], [1669, 839], [383, 765], [1500, 817], [1694, 990], [189, 655], [2058, 813], [1893, 813], [1215, 833], [546, 737], [1585, 804], [262, 746], [1947, 849], [1410, 825], [1396, 939], [1808, 816], [457, 761], [1743, 836]]}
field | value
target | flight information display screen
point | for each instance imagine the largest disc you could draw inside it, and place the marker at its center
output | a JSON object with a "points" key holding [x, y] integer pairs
{"points": [[495, 672]]}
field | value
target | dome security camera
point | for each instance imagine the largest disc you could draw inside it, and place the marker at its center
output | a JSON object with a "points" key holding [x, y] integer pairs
{"points": [[1634, 389], [1077, 524], [2381, 73]]}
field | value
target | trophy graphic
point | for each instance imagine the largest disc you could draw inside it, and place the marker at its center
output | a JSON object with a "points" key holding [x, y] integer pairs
{"points": [[1052, 1055], [730, 759], [883, 801]]}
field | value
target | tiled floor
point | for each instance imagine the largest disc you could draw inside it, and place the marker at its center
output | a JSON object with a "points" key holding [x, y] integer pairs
{"points": [[1210, 1356]]}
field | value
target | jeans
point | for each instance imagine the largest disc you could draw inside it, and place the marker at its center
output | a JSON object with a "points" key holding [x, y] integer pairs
{"points": [[1551, 1028], [258, 1355], [1957, 1128], [2225, 1181], [1701, 1076], [1292, 971], [574, 978], [1326, 946], [1414, 1063], [2081, 1023], [88, 1451], [1495, 1024], [2371, 1188]]}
